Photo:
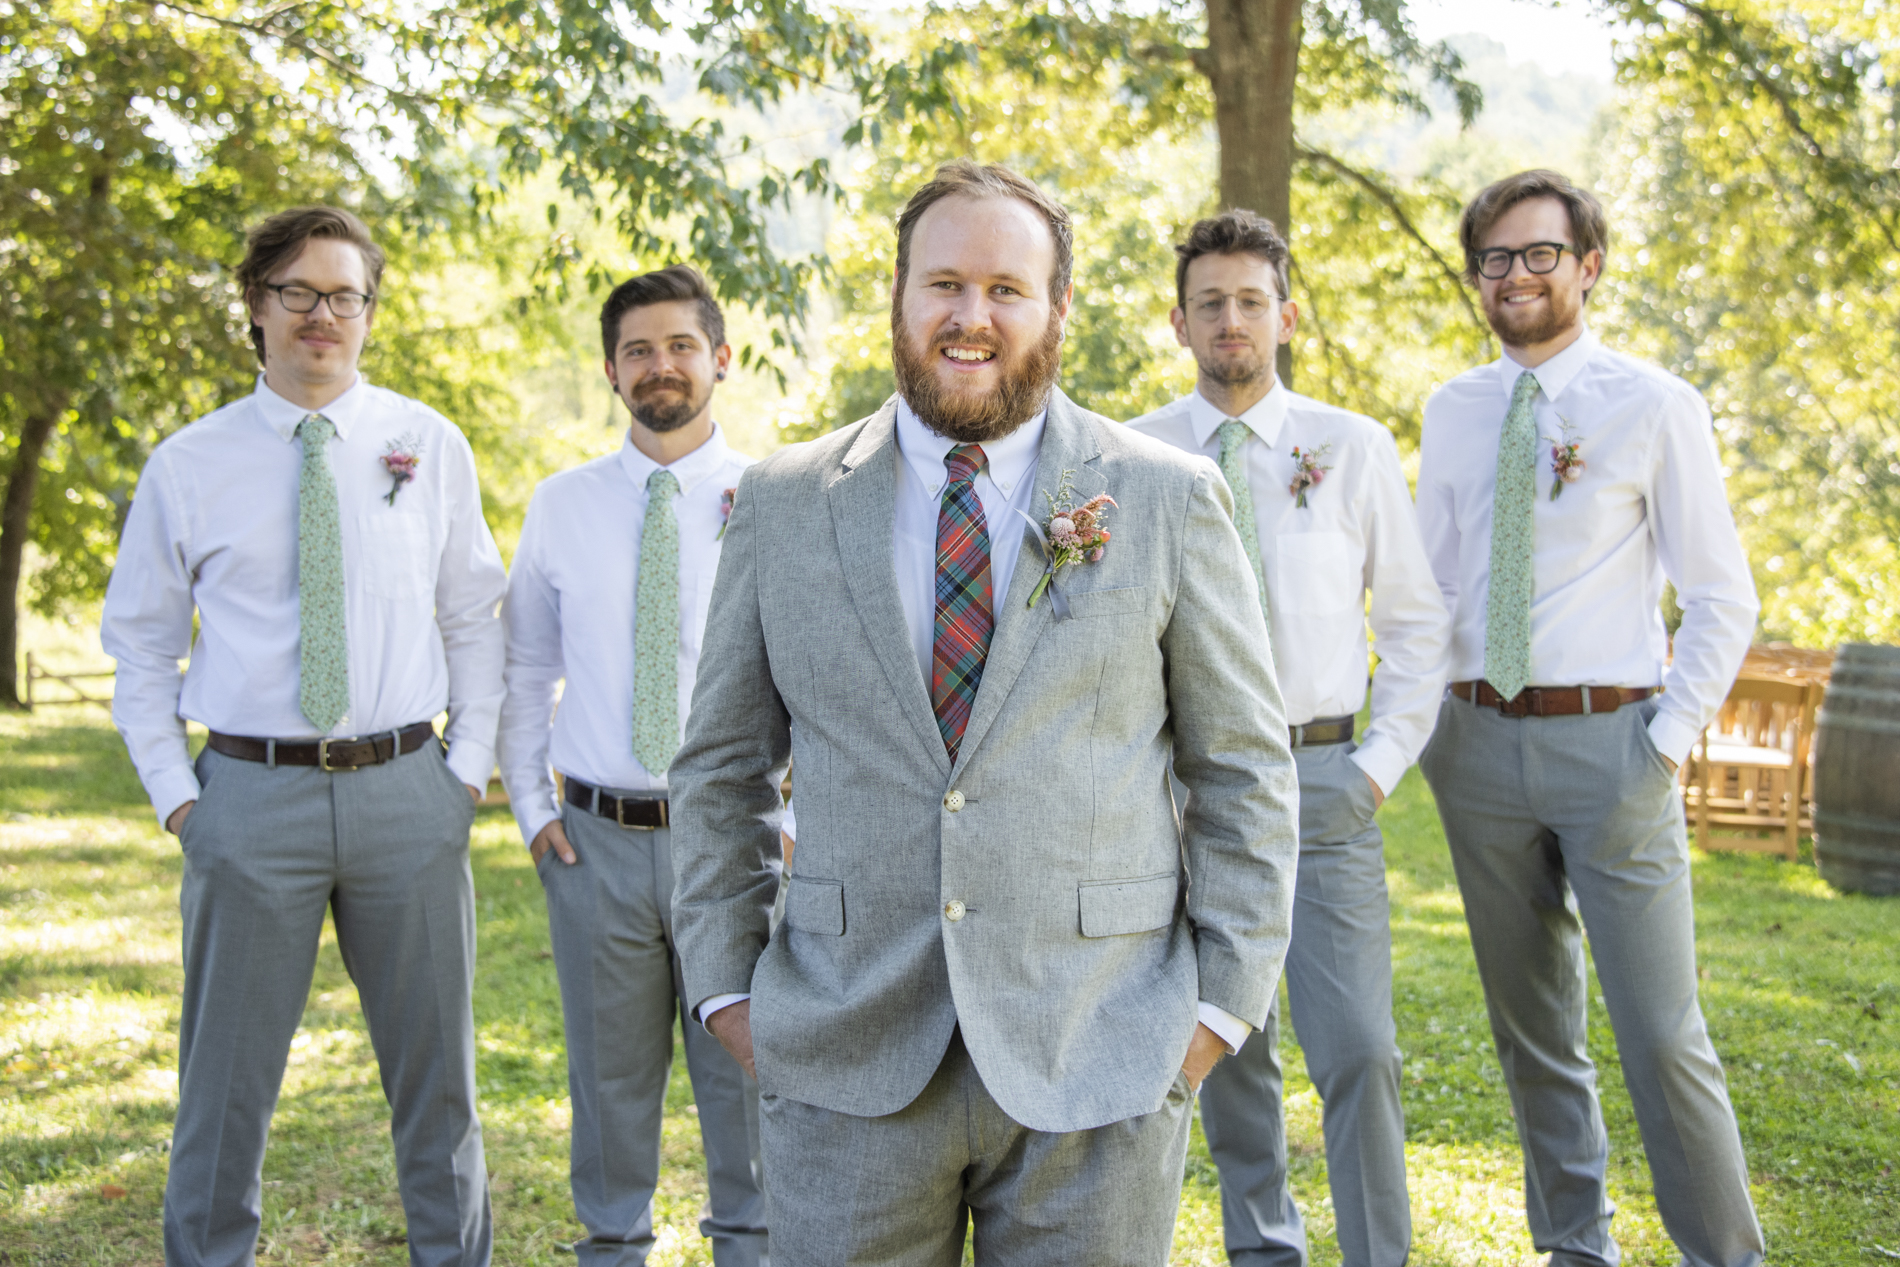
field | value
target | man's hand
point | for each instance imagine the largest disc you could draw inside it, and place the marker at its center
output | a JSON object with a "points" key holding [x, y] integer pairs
{"points": [[732, 1026], [1378, 795], [474, 793], [1204, 1050], [553, 836], [1666, 761], [176, 823]]}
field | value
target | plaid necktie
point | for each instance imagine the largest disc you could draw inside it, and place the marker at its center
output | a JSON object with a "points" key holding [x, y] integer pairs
{"points": [[1507, 607], [964, 600], [323, 643]]}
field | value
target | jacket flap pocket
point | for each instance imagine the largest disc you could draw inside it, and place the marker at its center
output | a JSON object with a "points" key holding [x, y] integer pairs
{"points": [[1113, 907], [1107, 602], [815, 906]]}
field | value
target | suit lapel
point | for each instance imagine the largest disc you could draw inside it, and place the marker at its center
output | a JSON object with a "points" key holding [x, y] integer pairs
{"points": [[863, 501], [1068, 444]]}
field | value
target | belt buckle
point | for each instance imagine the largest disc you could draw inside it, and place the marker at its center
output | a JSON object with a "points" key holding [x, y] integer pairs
{"points": [[323, 759], [620, 816]]}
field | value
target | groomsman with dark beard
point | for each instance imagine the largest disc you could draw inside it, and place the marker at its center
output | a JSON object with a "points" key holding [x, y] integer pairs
{"points": [[609, 593], [1558, 487]]}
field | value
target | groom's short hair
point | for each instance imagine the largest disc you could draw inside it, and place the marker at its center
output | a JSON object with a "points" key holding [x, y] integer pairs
{"points": [[277, 240], [969, 179], [1235, 232], [678, 283], [1589, 227]]}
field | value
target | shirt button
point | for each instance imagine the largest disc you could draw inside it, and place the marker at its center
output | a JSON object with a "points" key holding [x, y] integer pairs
{"points": [[953, 910], [953, 802]]}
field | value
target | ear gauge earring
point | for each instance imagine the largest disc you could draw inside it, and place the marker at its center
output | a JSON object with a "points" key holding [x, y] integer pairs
{"points": [[720, 377]]}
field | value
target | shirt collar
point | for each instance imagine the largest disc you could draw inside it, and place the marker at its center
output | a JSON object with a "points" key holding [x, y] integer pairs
{"points": [[1009, 458], [692, 470], [1264, 419], [1553, 375], [284, 418]]}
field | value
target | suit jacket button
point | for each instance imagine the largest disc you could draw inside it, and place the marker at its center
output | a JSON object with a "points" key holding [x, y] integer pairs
{"points": [[954, 801], [953, 909]]}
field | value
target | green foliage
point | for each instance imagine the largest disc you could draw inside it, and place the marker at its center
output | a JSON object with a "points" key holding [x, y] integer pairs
{"points": [[1756, 166]]}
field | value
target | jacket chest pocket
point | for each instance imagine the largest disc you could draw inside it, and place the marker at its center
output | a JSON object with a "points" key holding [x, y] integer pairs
{"points": [[395, 554]]}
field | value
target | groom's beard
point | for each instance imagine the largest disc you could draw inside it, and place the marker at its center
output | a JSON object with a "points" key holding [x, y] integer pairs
{"points": [[1234, 369], [967, 418], [660, 416]]}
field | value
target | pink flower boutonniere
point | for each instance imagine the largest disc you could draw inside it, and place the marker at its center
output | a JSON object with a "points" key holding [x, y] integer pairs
{"points": [[1307, 472], [725, 512], [1564, 462], [1072, 534], [401, 458]]}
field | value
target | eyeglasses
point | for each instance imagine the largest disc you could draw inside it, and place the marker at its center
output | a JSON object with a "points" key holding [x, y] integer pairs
{"points": [[1539, 257], [1251, 307], [344, 304]]}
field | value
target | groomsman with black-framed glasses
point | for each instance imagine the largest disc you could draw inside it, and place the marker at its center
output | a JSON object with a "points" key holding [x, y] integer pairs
{"points": [[1323, 511], [328, 537], [1558, 488]]}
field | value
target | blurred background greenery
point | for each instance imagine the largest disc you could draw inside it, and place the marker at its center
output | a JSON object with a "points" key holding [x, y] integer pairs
{"points": [[517, 158]]}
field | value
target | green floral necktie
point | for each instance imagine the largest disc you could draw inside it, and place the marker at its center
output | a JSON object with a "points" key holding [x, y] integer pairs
{"points": [[1233, 434], [656, 630], [323, 684], [1507, 608]]}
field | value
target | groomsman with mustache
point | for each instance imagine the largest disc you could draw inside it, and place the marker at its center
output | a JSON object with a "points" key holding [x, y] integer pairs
{"points": [[609, 593], [1321, 503]]}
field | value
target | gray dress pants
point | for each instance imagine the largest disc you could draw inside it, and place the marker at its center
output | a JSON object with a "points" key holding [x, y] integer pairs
{"points": [[1558, 826], [1339, 984], [610, 917], [900, 1190], [267, 851]]}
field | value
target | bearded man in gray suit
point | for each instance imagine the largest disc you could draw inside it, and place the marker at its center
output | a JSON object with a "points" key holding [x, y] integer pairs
{"points": [[1005, 963]]}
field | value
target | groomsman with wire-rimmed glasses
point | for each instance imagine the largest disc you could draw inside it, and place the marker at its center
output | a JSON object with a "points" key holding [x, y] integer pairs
{"points": [[327, 535], [1558, 487]]}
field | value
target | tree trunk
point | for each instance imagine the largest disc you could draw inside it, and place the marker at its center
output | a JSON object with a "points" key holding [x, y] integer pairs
{"points": [[1252, 61], [16, 522]]}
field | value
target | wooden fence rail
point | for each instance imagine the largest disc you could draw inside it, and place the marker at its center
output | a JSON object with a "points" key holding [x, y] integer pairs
{"points": [[36, 672]]}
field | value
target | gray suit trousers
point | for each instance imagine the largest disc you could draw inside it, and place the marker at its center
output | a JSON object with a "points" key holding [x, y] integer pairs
{"points": [[267, 851], [900, 1190], [1558, 826], [610, 917], [1339, 984]]}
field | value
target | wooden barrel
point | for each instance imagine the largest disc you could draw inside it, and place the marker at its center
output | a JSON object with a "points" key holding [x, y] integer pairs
{"points": [[1857, 771]]}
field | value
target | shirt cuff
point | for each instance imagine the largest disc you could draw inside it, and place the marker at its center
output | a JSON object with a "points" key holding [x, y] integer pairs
{"points": [[1227, 1027], [1672, 736], [716, 1002], [1382, 762], [472, 763], [172, 789]]}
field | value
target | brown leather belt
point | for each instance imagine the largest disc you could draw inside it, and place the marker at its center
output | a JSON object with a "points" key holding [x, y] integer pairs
{"points": [[642, 813], [1321, 730], [334, 755], [1553, 701]]}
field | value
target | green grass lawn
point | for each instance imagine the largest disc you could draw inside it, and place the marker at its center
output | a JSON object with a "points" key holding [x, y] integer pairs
{"points": [[1801, 986]]}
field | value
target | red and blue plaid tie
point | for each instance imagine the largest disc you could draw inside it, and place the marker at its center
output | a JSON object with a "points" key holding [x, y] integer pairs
{"points": [[965, 616]]}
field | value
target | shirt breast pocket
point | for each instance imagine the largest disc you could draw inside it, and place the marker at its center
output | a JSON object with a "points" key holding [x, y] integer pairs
{"points": [[395, 554], [1320, 573]]}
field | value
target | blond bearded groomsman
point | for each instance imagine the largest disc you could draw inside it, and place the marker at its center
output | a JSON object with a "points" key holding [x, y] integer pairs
{"points": [[328, 537], [1322, 505], [609, 591], [1558, 487]]}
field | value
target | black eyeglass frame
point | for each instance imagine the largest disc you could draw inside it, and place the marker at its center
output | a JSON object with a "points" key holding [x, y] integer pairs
{"points": [[1511, 257], [322, 296]]}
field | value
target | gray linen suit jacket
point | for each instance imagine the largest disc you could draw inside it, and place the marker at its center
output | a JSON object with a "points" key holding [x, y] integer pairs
{"points": [[1095, 917]]}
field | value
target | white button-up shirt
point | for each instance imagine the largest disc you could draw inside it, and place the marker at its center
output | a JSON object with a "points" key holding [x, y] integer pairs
{"points": [[570, 615], [1356, 534], [1650, 504], [213, 527]]}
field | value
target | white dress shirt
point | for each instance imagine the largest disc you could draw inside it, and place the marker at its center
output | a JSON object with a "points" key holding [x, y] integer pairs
{"points": [[213, 527], [1650, 504], [1006, 485], [570, 615], [1356, 533]]}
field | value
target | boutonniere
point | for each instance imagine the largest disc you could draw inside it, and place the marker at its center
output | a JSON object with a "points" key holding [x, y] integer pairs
{"points": [[725, 512], [1565, 465], [400, 458], [1307, 472], [1072, 534]]}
